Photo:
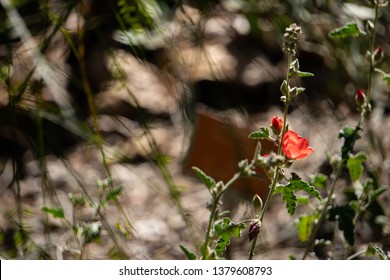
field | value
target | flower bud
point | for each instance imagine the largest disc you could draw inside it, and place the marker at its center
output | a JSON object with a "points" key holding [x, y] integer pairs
{"points": [[377, 55], [257, 203], [254, 229], [360, 98], [276, 125], [291, 38]]}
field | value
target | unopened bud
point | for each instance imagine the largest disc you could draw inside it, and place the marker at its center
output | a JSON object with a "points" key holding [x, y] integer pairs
{"points": [[257, 203], [360, 98], [276, 125], [377, 55], [254, 229]]}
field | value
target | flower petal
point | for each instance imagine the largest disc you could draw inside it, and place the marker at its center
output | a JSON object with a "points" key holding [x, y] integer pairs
{"points": [[295, 146]]}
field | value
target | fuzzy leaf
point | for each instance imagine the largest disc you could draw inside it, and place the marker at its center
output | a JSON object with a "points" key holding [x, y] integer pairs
{"points": [[344, 216], [301, 185], [305, 227], [355, 165], [304, 74], [225, 229], [284, 88], [263, 133], [350, 29], [55, 212], [299, 90], [208, 181], [191, 256], [288, 197]]}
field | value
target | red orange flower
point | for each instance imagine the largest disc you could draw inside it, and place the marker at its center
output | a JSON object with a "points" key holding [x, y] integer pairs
{"points": [[295, 146]]}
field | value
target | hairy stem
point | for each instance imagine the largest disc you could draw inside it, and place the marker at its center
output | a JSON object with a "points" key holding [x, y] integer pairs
{"points": [[278, 169]]}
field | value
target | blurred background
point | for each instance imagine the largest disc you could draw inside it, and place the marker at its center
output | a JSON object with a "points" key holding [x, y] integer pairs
{"points": [[129, 95]]}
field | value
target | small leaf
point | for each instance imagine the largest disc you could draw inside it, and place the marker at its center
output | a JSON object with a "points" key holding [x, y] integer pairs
{"points": [[55, 212], [299, 90], [355, 165], [263, 133], [208, 181], [113, 193], [350, 136], [305, 227], [304, 74], [288, 197], [303, 186], [350, 29], [225, 229], [287, 192], [284, 88], [344, 216], [191, 256]]}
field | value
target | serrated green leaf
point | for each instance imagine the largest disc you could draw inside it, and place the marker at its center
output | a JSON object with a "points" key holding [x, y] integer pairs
{"points": [[305, 227], [355, 165], [302, 185], [302, 74], [288, 197], [344, 216], [113, 193], [350, 29], [208, 181], [191, 256], [225, 229], [55, 212], [262, 133]]}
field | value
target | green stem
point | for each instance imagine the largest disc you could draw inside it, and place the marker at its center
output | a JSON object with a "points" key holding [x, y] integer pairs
{"points": [[278, 169], [371, 50], [323, 213], [362, 118], [213, 214], [332, 191]]}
